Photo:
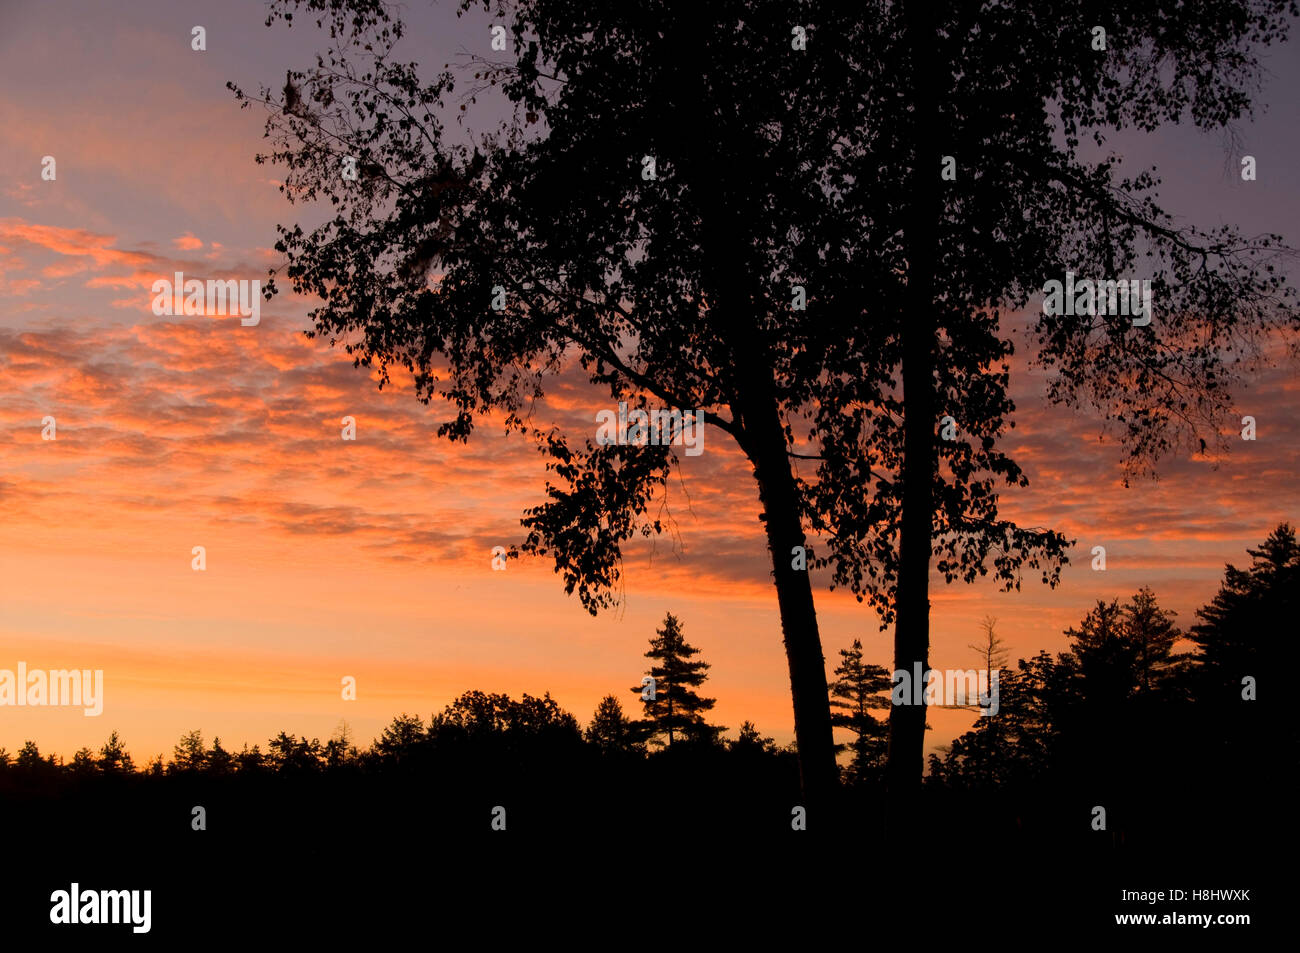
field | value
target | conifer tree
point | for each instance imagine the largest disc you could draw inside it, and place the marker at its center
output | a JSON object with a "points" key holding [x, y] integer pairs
{"points": [[1248, 628], [860, 687], [114, 758], [676, 708], [1152, 633], [611, 731]]}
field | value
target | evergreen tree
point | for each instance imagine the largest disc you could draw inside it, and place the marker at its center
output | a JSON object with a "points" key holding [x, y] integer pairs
{"points": [[114, 758], [83, 763], [189, 753], [29, 756], [1107, 659], [1152, 633], [676, 709], [1247, 629], [860, 687], [1245, 648], [1017, 744], [751, 741], [250, 760], [610, 730], [219, 760], [289, 754], [1124, 649]]}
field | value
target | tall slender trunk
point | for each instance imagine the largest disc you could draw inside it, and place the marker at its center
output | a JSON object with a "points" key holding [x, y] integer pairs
{"points": [[762, 438], [920, 453], [766, 447]]}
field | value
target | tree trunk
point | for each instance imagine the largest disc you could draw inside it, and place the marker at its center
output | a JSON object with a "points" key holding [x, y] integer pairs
{"points": [[920, 453], [670, 716], [761, 436], [766, 448]]}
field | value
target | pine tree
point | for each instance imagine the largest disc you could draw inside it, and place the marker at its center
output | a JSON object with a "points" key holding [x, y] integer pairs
{"points": [[83, 763], [858, 688], [676, 709], [114, 758], [1106, 657], [1125, 649], [219, 760], [751, 741], [250, 760], [29, 756], [1245, 651], [1247, 628], [610, 730], [189, 753], [1152, 633]]}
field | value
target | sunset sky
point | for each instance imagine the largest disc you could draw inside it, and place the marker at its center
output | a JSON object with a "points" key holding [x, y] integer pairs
{"points": [[372, 558]]}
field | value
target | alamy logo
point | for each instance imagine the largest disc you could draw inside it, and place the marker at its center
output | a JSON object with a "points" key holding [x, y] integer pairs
{"points": [[191, 296], [1130, 298], [38, 687], [103, 906], [952, 687], [658, 428]]}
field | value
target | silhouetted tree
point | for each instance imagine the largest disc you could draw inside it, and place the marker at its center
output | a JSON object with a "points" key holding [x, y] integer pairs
{"points": [[1004, 95], [990, 649], [83, 763], [993, 659], [114, 759], [819, 169], [339, 750], [189, 753], [1123, 649], [1244, 638], [29, 757], [218, 761], [860, 688], [498, 721], [556, 243], [404, 732], [676, 709], [750, 742], [610, 730], [1019, 744], [288, 754], [1246, 630], [1152, 632], [1107, 657], [250, 761]]}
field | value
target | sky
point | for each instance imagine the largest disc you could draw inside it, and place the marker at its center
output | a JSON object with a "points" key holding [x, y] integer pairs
{"points": [[372, 558]]}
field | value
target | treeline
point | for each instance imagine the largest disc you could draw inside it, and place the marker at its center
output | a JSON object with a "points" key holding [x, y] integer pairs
{"points": [[1174, 750], [491, 728], [1122, 704], [1121, 721]]}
